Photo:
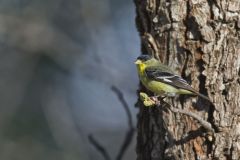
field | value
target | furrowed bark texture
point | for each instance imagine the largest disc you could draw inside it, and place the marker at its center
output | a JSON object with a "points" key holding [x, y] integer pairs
{"points": [[200, 39]]}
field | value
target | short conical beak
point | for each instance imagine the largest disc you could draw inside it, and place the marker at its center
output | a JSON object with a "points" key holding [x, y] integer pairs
{"points": [[137, 61]]}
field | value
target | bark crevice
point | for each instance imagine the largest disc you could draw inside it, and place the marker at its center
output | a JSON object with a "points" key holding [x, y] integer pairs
{"points": [[200, 41]]}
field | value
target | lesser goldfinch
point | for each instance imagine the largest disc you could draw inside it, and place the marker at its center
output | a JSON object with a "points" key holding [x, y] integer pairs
{"points": [[161, 80]]}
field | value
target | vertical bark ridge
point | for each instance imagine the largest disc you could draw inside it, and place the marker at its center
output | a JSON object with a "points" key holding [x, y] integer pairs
{"points": [[199, 39]]}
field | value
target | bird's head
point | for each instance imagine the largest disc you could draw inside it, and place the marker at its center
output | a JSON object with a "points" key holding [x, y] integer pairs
{"points": [[145, 60], [142, 59]]}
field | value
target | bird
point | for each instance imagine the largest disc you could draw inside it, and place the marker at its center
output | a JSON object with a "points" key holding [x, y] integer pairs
{"points": [[161, 80]]}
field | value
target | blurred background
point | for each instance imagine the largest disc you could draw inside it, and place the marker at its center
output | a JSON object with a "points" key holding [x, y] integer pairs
{"points": [[58, 61]]}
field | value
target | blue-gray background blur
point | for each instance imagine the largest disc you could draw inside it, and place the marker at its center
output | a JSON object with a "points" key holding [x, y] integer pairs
{"points": [[58, 60]]}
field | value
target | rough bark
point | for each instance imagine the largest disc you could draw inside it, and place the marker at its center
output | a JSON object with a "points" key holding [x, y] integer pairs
{"points": [[200, 39]]}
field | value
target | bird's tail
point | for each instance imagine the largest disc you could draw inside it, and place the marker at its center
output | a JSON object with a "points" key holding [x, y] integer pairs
{"points": [[202, 96]]}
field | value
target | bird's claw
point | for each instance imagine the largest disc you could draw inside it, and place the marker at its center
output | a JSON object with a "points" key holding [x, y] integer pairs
{"points": [[150, 101]]}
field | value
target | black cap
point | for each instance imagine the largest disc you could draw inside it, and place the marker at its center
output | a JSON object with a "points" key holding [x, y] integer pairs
{"points": [[144, 57]]}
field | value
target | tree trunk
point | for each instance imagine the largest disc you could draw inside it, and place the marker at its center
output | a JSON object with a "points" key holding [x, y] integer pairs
{"points": [[199, 39]]}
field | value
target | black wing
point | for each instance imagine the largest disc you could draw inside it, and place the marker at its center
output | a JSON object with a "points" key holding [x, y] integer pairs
{"points": [[155, 73]]}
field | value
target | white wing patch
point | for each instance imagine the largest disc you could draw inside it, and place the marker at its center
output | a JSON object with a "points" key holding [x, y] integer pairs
{"points": [[167, 80], [173, 78]]}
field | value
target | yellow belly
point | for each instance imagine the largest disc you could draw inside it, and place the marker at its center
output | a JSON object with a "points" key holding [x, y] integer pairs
{"points": [[158, 87], [162, 88]]}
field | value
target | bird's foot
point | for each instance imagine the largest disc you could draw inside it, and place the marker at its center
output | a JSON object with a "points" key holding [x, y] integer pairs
{"points": [[150, 101]]}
